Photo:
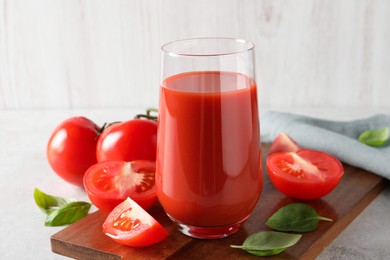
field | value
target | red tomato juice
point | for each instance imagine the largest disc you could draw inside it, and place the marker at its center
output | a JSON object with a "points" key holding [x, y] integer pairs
{"points": [[208, 153]]}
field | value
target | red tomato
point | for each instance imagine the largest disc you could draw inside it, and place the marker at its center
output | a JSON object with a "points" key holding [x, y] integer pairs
{"points": [[128, 141], [130, 225], [109, 183], [283, 143], [71, 149], [306, 174]]}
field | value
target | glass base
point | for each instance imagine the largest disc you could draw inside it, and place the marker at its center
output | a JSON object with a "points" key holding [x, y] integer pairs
{"points": [[208, 232]]}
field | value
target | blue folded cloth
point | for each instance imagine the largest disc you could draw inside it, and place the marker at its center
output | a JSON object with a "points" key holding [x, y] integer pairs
{"points": [[339, 138]]}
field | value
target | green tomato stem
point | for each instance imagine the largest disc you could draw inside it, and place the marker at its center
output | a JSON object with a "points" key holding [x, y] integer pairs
{"points": [[148, 114]]}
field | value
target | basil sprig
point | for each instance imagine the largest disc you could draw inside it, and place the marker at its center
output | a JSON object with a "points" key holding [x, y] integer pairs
{"points": [[268, 243], [60, 211], [375, 137], [295, 217]]}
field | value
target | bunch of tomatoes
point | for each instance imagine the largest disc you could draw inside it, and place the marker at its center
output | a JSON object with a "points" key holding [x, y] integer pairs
{"points": [[116, 166], [112, 163]]}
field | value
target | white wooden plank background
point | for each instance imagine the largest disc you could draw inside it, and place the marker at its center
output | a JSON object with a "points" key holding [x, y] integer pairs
{"points": [[106, 54]]}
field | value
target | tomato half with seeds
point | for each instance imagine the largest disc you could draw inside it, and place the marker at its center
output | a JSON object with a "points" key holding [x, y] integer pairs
{"points": [[109, 183], [130, 225], [305, 174]]}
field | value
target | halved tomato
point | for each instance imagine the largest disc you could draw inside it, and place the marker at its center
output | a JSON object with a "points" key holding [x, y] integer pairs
{"points": [[130, 225], [283, 143], [305, 174], [109, 183]]}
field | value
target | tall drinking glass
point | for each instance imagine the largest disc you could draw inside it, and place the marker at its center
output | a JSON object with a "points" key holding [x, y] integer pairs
{"points": [[208, 175]]}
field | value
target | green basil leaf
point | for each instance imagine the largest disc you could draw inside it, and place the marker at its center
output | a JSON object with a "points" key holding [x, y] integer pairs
{"points": [[47, 203], [375, 137], [67, 214], [266, 252], [295, 217], [60, 211], [268, 243]]}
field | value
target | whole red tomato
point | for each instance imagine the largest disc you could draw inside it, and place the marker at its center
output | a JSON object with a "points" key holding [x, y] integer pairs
{"points": [[71, 149], [128, 141]]}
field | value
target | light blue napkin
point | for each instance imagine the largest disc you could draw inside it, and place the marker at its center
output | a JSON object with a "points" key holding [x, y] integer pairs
{"points": [[335, 137]]}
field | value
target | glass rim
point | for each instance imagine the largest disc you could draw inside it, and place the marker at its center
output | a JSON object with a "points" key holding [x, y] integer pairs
{"points": [[250, 47]]}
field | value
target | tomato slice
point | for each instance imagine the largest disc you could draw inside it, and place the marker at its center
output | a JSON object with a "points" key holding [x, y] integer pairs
{"points": [[305, 174], [109, 183], [130, 225], [284, 143]]}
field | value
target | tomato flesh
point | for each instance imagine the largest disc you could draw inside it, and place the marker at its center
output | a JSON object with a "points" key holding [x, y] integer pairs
{"points": [[130, 225], [109, 183], [128, 141], [284, 143], [305, 174]]}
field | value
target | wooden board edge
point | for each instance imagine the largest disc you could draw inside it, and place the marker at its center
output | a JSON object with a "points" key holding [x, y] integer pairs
{"points": [[80, 252], [317, 247]]}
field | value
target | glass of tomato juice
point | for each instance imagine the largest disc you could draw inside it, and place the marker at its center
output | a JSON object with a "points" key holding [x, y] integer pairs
{"points": [[208, 175]]}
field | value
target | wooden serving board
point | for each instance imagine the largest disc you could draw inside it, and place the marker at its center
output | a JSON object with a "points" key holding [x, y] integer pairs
{"points": [[85, 240]]}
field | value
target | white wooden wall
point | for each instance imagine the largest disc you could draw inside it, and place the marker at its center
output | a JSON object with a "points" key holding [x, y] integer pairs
{"points": [[106, 53]]}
